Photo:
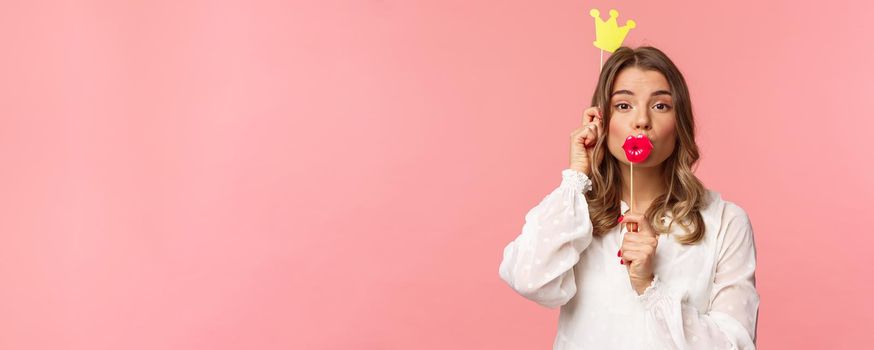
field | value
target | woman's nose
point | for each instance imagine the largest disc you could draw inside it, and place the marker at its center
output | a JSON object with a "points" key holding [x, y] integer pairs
{"points": [[642, 122]]}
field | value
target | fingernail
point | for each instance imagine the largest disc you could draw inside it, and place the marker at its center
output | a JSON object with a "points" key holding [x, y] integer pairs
{"points": [[622, 262], [621, 217], [619, 254]]}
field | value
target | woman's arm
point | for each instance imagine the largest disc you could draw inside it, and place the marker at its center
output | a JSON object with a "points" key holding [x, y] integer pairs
{"points": [[539, 262], [730, 323]]}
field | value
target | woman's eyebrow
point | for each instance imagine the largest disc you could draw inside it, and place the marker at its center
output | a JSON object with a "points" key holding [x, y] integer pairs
{"points": [[628, 92]]}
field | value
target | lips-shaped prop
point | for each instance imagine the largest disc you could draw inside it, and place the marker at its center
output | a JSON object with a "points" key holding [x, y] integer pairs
{"points": [[637, 148]]}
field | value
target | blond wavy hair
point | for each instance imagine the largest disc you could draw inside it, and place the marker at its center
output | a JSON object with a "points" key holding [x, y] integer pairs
{"points": [[686, 194]]}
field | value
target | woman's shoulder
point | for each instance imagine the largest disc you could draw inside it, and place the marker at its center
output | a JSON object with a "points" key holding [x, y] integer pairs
{"points": [[727, 209], [729, 216]]}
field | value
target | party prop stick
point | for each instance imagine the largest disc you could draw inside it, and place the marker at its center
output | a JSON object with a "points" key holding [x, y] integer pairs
{"points": [[637, 149], [609, 36]]}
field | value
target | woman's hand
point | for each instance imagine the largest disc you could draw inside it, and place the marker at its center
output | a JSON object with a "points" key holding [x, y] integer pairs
{"points": [[583, 140], [638, 250]]}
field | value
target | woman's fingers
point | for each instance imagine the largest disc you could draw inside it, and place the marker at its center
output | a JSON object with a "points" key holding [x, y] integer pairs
{"points": [[590, 114], [631, 247], [634, 237], [640, 221], [592, 124], [582, 135], [598, 125], [591, 135], [631, 255]]}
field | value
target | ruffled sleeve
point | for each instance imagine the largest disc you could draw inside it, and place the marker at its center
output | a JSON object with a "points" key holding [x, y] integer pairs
{"points": [[730, 321], [538, 264]]}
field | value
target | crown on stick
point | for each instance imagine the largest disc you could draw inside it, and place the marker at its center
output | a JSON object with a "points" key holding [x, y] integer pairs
{"points": [[608, 35]]}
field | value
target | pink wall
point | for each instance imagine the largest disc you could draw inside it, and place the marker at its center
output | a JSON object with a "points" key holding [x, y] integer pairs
{"points": [[345, 175]]}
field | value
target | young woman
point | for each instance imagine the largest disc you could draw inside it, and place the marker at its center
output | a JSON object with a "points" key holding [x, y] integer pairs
{"points": [[684, 276]]}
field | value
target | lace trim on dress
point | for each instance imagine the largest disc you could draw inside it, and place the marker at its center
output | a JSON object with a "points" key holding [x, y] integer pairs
{"points": [[648, 295], [576, 180]]}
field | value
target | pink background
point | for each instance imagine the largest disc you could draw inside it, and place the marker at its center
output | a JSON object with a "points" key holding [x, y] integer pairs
{"points": [[345, 174]]}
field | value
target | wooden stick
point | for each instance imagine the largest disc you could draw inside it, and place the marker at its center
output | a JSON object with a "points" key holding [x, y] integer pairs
{"points": [[602, 60], [628, 225]]}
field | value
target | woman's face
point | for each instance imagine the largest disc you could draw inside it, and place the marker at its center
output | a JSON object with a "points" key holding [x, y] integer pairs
{"points": [[641, 103]]}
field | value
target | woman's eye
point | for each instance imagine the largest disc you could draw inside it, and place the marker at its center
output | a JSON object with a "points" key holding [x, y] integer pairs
{"points": [[662, 106], [623, 106]]}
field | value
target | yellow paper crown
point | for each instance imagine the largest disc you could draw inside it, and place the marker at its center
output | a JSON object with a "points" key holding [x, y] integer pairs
{"points": [[608, 35]]}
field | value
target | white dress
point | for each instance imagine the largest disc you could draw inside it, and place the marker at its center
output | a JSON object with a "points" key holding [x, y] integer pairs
{"points": [[703, 296]]}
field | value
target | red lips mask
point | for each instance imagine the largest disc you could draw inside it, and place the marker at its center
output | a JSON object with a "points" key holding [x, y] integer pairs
{"points": [[637, 148]]}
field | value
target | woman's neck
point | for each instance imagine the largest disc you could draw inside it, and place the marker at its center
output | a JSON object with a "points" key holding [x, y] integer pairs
{"points": [[648, 184]]}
